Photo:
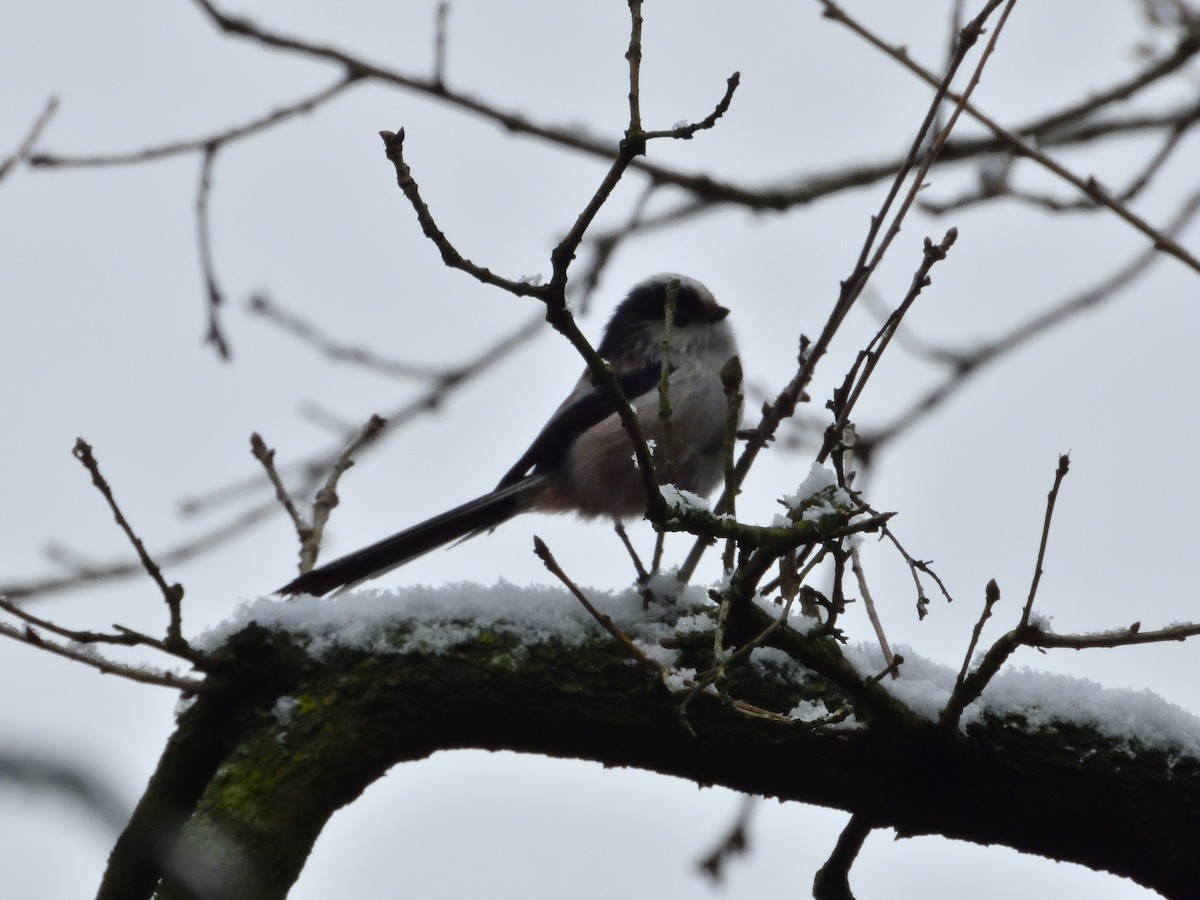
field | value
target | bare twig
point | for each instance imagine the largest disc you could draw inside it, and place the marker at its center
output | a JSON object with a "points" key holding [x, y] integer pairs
{"points": [[198, 145], [439, 44], [140, 674], [633, 55], [551, 564], [721, 664], [1089, 186], [856, 380], [311, 472], [33, 769], [687, 131], [1064, 466], [393, 143], [642, 575], [873, 249], [731, 381], [266, 456], [965, 365], [326, 497], [735, 842], [603, 249], [991, 596], [101, 573], [917, 567], [263, 306], [998, 185], [972, 686], [667, 457], [121, 636], [35, 131], [1035, 636], [173, 593], [872, 613], [213, 291]]}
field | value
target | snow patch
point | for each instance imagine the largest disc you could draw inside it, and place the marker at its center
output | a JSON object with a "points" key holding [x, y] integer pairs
{"points": [[1043, 699]]}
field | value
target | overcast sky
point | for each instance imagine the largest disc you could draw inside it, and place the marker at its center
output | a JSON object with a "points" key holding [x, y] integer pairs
{"points": [[103, 338]]}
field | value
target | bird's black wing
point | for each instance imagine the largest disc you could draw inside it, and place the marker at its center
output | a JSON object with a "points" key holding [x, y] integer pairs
{"points": [[551, 445]]}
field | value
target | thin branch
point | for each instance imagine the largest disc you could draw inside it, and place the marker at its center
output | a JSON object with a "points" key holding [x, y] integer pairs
{"points": [[995, 185], [311, 471], [326, 497], [735, 842], [633, 55], [173, 593], [966, 365], [991, 596], [213, 291], [853, 387], [918, 567], [35, 770], [721, 664], [22, 153], [603, 249], [1063, 127], [198, 145], [731, 381], [393, 143], [559, 316], [551, 564], [88, 657], [116, 571], [852, 287], [1064, 466], [1034, 636], [439, 43], [121, 637], [1089, 186], [298, 328], [687, 131], [972, 685], [266, 457], [512, 122], [872, 613], [667, 457], [642, 575]]}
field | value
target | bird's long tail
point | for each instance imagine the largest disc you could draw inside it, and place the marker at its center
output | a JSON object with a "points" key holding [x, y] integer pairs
{"points": [[467, 520]]}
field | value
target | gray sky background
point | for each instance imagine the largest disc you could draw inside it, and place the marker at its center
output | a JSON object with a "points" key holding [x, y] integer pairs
{"points": [[104, 313]]}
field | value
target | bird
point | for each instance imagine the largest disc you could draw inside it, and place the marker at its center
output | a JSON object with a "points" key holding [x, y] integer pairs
{"points": [[582, 460]]}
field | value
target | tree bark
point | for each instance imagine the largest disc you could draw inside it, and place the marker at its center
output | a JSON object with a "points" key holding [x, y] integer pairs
{"points": [[275, 773]]}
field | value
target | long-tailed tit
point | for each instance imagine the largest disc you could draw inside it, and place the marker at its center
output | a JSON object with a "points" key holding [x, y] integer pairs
{"points": [[582, 461]]}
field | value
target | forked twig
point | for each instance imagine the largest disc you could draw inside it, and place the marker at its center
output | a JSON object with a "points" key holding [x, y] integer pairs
{"points": [[972, 685], [172, 593]]}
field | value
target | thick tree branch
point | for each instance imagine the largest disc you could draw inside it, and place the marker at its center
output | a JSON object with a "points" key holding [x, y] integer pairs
{"points": [[1062, 791]]}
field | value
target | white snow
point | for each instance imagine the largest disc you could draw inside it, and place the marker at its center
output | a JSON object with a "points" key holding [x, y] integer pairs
{"points": [[438, 618], [1042, 698], [776, 665], [808, 711], [821, 483], [685, 501], [820, 478], [284, 709]]}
